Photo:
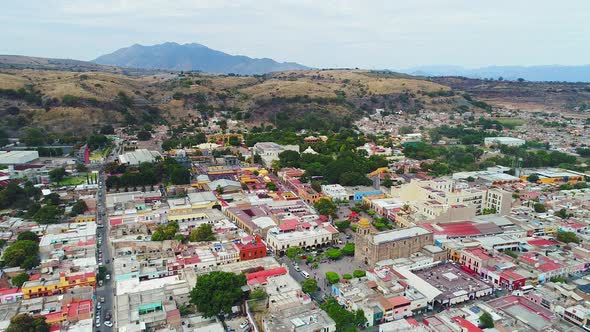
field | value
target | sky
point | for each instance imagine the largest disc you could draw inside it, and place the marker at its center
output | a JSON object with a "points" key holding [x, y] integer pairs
{"points": [[369, 34]]}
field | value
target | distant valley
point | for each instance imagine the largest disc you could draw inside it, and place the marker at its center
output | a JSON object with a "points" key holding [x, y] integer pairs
{"points": [[549, 73]]}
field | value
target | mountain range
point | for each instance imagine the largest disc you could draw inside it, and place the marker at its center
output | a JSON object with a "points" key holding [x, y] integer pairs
{"points": [[548, 73], [191, 57]]}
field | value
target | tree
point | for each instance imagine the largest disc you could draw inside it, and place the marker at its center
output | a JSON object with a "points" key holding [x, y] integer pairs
{"points": [[271, 186], [202, 233], [540, 208], [533, 178], [107, 130], [81, 168], [562, 214], [345, 320], [27, 235], [102, 272], [258, 294], [317, 186], [309, 286], [348, 249], [57, 175], [48, 214], [34, 137], [294, 252], [332, 277], [234, 141], [180, 175], [489, 211], [52, 199], [359, 273], [404, 130], [79, 207], [326, 207], [27, 323], [486, 321], [17, 253], [347, 276], [217, 292], [511, 253], [165, 232], [567, 237], [334, 253], [144, 135], [19, 279], [290, 158], [342, 225]]}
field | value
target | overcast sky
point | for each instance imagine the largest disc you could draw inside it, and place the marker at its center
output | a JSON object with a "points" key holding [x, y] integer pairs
{"points": [[319, 33]]}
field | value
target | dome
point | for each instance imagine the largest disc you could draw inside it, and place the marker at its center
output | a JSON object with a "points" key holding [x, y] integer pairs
{"points": [[364, 222]]}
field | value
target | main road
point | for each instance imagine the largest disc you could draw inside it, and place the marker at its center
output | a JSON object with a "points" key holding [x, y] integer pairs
{"points": [[106, 259]]}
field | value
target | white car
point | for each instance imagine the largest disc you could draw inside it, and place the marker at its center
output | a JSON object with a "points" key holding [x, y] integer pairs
{"points": [[108, 277], [108, 323], [244, 324]]}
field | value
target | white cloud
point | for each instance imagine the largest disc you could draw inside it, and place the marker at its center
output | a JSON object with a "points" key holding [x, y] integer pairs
{"points": [[370, 34]]}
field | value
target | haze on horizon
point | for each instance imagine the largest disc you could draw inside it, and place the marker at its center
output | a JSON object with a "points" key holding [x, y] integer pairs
{"points": [[366, 34]]}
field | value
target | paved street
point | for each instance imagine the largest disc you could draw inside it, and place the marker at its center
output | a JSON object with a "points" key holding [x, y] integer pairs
{"points": [[107, 289]]}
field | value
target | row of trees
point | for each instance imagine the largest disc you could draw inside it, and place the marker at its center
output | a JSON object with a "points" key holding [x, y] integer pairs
{"points": [[169, 231], [148, 174], [348, 168]]}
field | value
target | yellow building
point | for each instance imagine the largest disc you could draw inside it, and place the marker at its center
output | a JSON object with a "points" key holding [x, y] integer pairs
{"points": [[39, 288], [555, 175], [85, 218]]}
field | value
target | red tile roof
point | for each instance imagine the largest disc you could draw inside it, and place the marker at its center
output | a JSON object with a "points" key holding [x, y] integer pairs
{"points": [[397, 301], [511, 275], [542, 242], [262, 276], [479, 253], [466, 325]]}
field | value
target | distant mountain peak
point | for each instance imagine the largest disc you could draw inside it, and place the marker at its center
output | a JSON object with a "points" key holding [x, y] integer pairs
{"points": [[192, 56]]}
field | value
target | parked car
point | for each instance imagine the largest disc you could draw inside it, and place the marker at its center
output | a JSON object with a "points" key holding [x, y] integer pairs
{"points": [[102, 299], [244, 324], [297, 268]]}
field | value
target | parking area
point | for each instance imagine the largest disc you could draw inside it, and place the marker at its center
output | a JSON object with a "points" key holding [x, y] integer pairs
{"points": [[237, 324]]}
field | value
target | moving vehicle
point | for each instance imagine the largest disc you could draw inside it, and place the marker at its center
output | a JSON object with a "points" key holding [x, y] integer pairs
{"points": [[305, 274], [297, 268], [108, 277], [108, 323]]}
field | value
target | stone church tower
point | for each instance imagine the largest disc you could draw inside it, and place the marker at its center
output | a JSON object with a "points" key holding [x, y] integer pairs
{"points": [[361, 240]]}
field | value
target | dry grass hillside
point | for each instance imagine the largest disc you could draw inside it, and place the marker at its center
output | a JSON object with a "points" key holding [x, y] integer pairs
{"points": [[327, 99]]}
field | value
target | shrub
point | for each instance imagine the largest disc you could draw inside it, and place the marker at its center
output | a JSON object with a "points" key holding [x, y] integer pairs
{"points": [[332, 277], [359, 273]]}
